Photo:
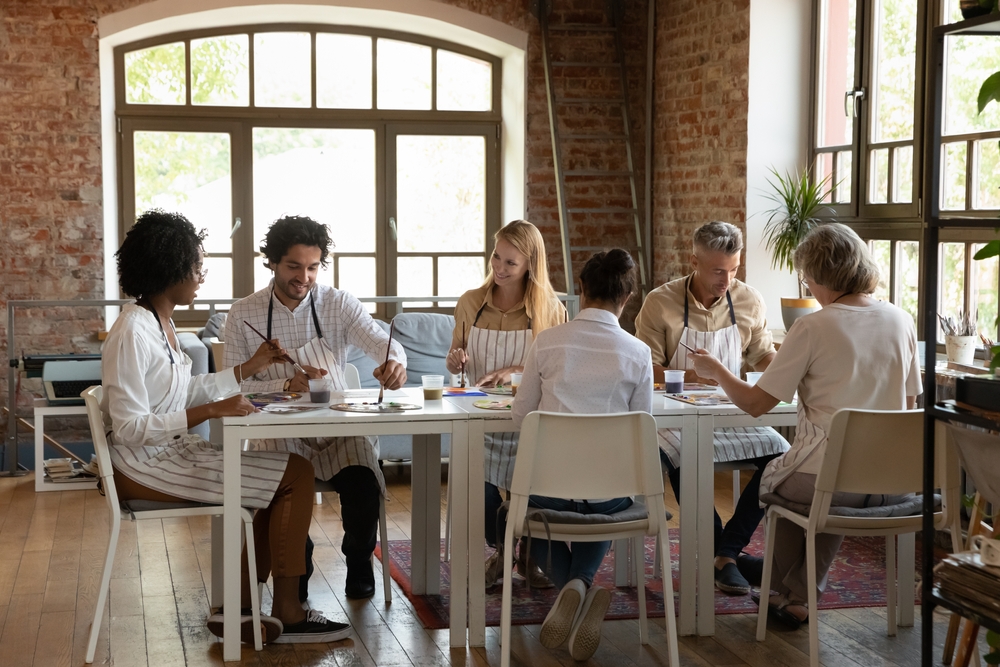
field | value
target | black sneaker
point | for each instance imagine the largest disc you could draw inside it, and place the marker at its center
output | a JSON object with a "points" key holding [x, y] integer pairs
{"points": [[316, 629], [270, 627], [751, 567]]}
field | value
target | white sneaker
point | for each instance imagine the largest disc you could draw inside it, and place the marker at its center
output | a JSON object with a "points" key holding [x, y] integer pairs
{"points": [[315, 629], [586, 634], [559, 621]]}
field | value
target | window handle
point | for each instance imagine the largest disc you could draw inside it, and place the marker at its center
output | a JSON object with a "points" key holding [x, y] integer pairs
{"points": [[236, 226], [852, 101], [392, 227]]}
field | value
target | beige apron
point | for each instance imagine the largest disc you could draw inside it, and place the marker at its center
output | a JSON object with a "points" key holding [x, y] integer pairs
{"points": [[731, 444], [328, 455], [191, 467], [489, 350]]}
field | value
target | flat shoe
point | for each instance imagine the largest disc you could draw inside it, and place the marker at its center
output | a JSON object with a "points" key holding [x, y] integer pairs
{"points": [[751, 567], [781, 614], [730, 581]]}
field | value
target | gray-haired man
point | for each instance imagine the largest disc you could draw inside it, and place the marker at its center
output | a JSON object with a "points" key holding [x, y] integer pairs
{"points": [[709, 309]]}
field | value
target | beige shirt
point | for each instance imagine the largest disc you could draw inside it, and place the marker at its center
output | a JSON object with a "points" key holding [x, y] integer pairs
{"points": [[839, 357], [661, 320], [514, 319]]}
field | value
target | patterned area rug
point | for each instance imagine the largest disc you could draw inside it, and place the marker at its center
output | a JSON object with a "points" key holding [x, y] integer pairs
{"points": [[857, 579]]}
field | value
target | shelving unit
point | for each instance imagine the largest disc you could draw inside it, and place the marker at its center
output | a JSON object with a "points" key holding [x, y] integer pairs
{"points": [[934, 221]]}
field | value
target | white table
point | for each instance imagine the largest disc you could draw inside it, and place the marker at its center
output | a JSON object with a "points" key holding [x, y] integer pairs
{"points": [[434, 419]]}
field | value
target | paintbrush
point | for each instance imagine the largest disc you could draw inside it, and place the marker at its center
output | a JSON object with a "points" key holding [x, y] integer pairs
{"points": [[462, 370], [381, 387], [275, 347], [687, 347]]}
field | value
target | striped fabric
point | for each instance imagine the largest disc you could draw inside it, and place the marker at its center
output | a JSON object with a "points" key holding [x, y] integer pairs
{"points": [[810, 440], [731, 444]]}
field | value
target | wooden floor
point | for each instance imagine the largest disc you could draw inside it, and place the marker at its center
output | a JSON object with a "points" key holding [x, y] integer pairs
{"points": [[52, 546]]}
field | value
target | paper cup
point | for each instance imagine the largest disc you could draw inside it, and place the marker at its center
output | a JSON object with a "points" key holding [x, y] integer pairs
{"points": [[433, 387], [674, 381]]}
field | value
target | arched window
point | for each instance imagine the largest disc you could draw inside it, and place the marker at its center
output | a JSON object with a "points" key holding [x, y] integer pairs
{"points": [[391, 139]]}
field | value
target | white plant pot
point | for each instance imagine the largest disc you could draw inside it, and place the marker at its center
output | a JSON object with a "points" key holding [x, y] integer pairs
{"points": [[960, 349], [793, 308]]}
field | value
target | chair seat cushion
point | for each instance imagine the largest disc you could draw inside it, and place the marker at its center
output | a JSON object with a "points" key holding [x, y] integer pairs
{"points": [[910, 507], [157, 505], [637, 511]]}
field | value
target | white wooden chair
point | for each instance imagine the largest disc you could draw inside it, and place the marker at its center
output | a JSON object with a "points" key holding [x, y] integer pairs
{"points": [[145, 509], [876, 452], [353, 381], [596, 456]]}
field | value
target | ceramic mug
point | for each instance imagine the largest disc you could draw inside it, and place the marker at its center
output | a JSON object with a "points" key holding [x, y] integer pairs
{"points": [[989, 550]]}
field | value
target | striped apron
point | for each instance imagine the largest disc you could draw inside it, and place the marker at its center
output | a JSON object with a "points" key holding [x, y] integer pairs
{"points": [[489, 350], [328, 455], [190, 467], [731, 444]]}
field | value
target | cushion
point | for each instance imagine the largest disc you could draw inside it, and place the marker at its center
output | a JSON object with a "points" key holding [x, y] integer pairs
{"points": [[635, 512], [912, 506], [131, 506], [426, 338]]}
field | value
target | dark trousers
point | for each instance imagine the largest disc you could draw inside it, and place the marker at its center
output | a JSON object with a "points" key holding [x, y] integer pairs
{"points": [[359, 502], [493, 502], [735, 536]]}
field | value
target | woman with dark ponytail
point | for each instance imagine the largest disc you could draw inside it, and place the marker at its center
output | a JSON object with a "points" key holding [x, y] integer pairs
{"points": [[587, 366]]}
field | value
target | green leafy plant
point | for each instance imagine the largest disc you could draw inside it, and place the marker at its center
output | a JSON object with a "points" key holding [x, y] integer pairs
{"points": [[990, 91], [993, 641], [799, 200]]}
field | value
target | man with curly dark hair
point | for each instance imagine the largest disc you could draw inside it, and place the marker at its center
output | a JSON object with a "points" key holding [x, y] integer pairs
{"points": [[317, 323], [152, 401]]}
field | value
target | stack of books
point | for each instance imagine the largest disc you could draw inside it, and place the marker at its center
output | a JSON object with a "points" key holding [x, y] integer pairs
{"points": [[60, 470], [963, 578]]}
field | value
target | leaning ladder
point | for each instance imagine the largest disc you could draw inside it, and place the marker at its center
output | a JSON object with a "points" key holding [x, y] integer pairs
{"points": [[597, 142]]}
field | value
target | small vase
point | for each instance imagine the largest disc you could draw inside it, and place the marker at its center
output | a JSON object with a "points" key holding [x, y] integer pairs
{"points": [[960, 349], [793, 308], [972, 8]]}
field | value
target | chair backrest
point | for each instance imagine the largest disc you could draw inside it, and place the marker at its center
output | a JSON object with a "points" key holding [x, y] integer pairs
{"points": [[881, 451], [92, 398], [351, 377], [587, 456]]}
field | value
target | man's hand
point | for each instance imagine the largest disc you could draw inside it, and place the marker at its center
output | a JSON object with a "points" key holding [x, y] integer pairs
{"points": [[300, 381], [391, 374]]}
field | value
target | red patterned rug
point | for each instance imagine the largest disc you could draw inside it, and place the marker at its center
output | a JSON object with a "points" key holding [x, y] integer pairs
{"points": [[857, 579]]}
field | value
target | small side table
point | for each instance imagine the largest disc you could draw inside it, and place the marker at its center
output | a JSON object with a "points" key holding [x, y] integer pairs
{"points": [[42, 410]]}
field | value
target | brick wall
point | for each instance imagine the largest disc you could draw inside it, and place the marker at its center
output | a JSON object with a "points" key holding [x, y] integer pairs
{"points": [[51, 220], [700, 131]]}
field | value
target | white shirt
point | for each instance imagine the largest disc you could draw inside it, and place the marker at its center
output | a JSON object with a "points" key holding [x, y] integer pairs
{"points": [[839, 357], [342, 318], [587, 366]]}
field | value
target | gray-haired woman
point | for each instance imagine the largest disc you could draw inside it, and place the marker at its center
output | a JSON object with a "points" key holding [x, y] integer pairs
{"points": [[829, 357]]}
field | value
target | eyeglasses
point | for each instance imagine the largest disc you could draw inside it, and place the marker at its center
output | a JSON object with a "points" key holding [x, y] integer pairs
{"points": [[200, 273], [803, 282]]}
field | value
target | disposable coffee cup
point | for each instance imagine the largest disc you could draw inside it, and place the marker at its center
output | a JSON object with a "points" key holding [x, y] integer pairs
{"points": [[433, 387], [319, 390], [673, 381], [515, 382], [753, 376]]}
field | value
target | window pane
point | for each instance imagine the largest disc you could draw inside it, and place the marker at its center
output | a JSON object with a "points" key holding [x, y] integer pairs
{"points": [[895, 69], [415, 277], [968, 61], [441, 193], [878, 178], [220, 71], [190, 173], [845, 164], [404, 75], [463, 83], [881, 253], [357, 276], [836, 71], [343, 71], [953, 176], [218, 281], [261, 274], [155, 75], [328, 175], [902, 175], [458, 274], [983, 292], [282, 69], [987, 185], [952, 287], [908, 275], [824, 165]]}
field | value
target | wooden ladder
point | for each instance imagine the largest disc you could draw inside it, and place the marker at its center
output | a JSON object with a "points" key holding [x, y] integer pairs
{"points": [[591, 143]]}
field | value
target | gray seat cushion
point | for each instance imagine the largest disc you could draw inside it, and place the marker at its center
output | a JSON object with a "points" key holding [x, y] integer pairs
{"points": [[635, 512], [157, 505], [910, 507]]}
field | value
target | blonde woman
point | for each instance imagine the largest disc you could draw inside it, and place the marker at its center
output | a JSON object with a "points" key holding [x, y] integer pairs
{"points": [[495, 324]]}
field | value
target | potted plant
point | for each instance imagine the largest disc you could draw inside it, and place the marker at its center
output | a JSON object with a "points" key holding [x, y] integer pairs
{"points": [[798, 199], [960, 338]]}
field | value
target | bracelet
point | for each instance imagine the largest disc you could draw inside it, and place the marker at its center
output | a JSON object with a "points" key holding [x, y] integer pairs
{"points": [[239, 369]]}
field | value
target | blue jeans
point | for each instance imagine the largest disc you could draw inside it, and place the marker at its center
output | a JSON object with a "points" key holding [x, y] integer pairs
{"points": [[577, 560], [732, 539]]}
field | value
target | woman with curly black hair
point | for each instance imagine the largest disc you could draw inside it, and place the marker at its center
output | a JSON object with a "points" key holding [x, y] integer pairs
{"points": [[152, 400]]}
